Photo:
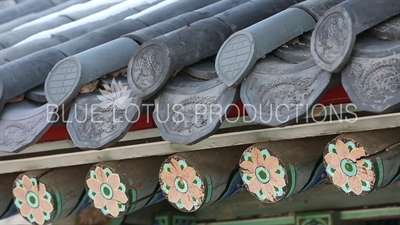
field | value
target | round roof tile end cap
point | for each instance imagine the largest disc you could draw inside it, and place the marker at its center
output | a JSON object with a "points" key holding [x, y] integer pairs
{"points": [[236, 58], [63, 82], [149, 68], [333, 40]]}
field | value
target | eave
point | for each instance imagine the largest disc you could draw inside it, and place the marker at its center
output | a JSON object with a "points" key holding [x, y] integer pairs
{"points": [[152, 148]]}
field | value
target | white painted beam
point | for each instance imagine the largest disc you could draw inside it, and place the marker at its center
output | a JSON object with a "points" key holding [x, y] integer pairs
{"points": [[216, 141]]}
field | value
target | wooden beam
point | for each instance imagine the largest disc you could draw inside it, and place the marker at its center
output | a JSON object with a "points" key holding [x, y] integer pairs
{"points": [[193, 180], [215, 141], [324, 197], [43, 196], [389, 212], [273, 171], [90, 216], [244, 206], [121, 187], [363, 162], [7, 207], [367, 214]]}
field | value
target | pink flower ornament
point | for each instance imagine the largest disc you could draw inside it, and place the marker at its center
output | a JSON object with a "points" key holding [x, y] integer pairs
{"points": [[107, 191], [181, 184], [263, 175], [346, 168], [32, 200]]}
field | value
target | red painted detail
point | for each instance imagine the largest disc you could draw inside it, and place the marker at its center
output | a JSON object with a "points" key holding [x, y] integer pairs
{"points": [[55, 133], [334, 96], [237, 109], [58, 133], [144, 122]]}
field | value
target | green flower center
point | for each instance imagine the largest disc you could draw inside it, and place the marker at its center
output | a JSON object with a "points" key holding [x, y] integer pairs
{"points": [[32, 199], [181, 185], [348, 167], [262, 175], [106, 191]]}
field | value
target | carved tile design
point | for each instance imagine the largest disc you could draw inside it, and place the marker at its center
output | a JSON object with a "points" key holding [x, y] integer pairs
{"points": [[371, 77], [148, 64], [283, 94], [15, 133], [20, 131], [189, 115], [379, 81], [194, 112], [274, 97], [234, 56], [99, 119], [62, 80], [331, 38], [94, 131]]}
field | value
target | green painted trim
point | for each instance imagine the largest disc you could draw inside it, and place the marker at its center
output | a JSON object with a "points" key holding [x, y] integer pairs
{"points": [[344, 215], [369, 213], [318, 221], [174, 219], [270, 221], [292, 180], [132, 197], [57, 204], [380, 169], [209, 191], [317, 217], [178, 219]]}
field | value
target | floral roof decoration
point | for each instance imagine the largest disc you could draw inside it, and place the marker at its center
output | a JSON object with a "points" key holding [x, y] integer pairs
{"points": [[107, 192], [346, 167], [33, 200], [181, 184], [263, 175]]}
